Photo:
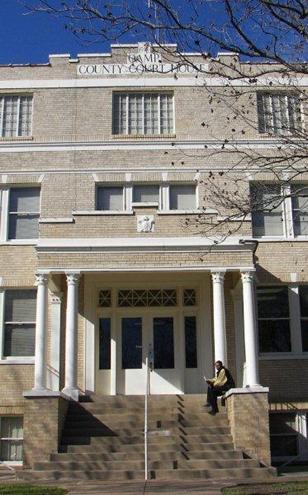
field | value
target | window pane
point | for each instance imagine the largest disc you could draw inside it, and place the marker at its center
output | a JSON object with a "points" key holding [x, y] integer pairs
{"points": [[25, 116], [304, 324], [163, 343], [151, 114], [300, 209], [135, 114], [104, 343], [190, 342], [166, 114], [284, 446], [12, 427], [19, 340], [266, 201], [274, 336], [20, 306], [25, 200], [273, 302], [131, 343], [182, 197], [146, 194], [11, 438], [11, 450], [303, 295], [23, 227], [10, 114], [110, 198]]}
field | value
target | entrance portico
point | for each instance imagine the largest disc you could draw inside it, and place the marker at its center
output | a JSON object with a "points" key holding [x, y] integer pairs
{"points": [[177, 318]]}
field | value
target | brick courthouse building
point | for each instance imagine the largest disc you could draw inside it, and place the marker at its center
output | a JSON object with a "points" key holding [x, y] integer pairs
{"points": [[101, 163]]}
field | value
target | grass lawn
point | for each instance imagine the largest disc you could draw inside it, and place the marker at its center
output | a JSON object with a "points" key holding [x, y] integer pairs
{"points": [[30, 490], [287, 488]]}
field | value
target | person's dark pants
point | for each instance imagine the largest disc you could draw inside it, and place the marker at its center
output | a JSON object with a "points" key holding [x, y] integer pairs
{"points": [[212, 394]]}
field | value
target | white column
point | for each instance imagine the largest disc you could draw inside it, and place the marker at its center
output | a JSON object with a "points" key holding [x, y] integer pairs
{"points": [[53, 370], [220, 341], [250, 329], [40, 332], [70, 388]]}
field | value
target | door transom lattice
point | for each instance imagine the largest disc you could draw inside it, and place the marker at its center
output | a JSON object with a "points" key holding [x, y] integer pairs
{"points": [[147, 297]]}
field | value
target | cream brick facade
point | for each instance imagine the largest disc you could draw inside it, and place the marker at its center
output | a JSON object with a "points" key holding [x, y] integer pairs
{"points": [[70, 153]]}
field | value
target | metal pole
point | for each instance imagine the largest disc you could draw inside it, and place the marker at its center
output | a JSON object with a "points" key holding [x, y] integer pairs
{"points": [[146, 418]]}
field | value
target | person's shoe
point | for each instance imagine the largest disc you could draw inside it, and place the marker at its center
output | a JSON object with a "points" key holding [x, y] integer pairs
{"points": [[213, 413]]}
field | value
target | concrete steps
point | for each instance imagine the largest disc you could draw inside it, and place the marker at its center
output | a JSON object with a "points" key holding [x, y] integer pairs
{"points": [[103, 439]]}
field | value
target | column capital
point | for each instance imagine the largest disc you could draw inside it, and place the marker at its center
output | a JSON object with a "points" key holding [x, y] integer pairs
{"points": [[218, 277], [56, 297], [41, 279], [72, 278], [248, 277]]}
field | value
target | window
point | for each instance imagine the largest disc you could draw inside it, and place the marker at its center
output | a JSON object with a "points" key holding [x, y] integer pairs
{"points": [[278, 113], [283, 434], [190, 341], [182, 197], [279, 210], [19, 323], [146, 194], [11, 440], [143, 113], [24, 212], [266, 204], [165, 197], [273, 319], [104, 343], [110, 198], [303, 297], [15, 116], [131, 343], [300, 209]]}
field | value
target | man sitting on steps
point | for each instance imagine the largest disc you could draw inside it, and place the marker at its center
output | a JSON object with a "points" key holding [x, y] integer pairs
{"points": [[218, 385]]}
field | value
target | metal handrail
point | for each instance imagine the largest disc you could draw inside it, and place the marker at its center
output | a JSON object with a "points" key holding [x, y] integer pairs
{"points": [[146, 418]]}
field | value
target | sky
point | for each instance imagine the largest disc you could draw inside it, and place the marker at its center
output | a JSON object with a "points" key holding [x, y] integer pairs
{"points": [[31, 38]]}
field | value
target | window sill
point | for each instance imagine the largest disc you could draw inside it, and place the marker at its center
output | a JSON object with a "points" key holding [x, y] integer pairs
{"points": [[182, 212], [143, 137], [145, 204], [22, 360], [21, 242], [15, 138], [302, 238], [282, 356], [56, 220], [102, 212]]}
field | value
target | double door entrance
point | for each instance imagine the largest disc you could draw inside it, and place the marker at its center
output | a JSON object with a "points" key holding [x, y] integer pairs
{"points": [[156, 336]]}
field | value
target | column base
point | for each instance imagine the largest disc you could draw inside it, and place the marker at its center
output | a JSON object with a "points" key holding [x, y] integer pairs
{"points": [[72, 393]]}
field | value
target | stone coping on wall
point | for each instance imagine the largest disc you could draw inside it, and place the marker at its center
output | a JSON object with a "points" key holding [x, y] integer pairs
{"points": [[247, 390], [43, 394]]}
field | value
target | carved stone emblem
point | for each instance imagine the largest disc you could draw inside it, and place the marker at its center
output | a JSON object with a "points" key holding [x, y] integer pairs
{"points": [[145, 223]]}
